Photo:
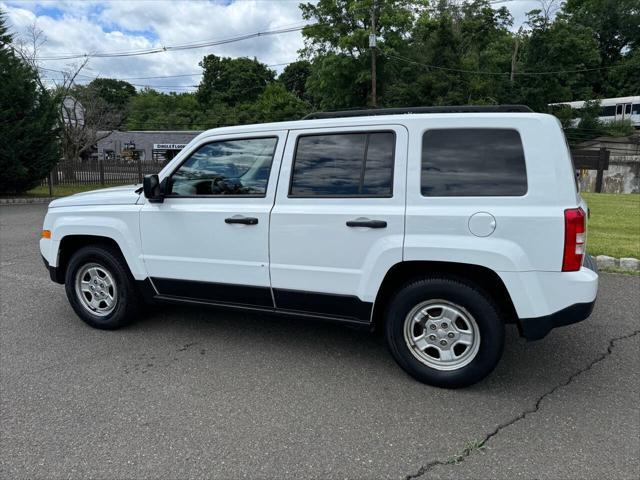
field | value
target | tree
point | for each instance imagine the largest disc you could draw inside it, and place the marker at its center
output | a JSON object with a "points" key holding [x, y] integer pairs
{"points": [[294, 77], [622, 79], [232, 80], [27, 122], [337, 43], [85, 118], [115, 93], [563, 47], [614, 23], [458, 53], [277, 104], [153, 110]]}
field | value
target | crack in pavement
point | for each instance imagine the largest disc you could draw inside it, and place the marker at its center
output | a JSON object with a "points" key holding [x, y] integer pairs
{"points": [[466, 452]]}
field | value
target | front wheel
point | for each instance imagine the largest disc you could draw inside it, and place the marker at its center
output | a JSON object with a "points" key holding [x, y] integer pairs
{"points": [[100, 288], [444, 332]]}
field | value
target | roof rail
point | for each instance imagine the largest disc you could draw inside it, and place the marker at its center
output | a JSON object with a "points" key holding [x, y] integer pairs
{"points": [[404, 110]]}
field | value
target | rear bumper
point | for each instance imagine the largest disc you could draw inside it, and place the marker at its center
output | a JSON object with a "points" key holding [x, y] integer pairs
{"points": [[537, 328]]}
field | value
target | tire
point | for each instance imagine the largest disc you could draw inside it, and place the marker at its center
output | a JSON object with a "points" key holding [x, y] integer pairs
{"points": [[427, 312], [115, 299]]}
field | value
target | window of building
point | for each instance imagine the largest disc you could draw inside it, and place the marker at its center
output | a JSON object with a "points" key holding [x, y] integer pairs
{"points": [[473, 162], [344, 165], [231, 167]]}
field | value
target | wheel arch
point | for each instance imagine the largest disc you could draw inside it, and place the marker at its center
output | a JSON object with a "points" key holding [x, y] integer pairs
{"points": [[69, 244], [405, 272]]}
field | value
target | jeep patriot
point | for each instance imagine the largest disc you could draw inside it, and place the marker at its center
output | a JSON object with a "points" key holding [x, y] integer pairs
{"points": [[436, 226]]}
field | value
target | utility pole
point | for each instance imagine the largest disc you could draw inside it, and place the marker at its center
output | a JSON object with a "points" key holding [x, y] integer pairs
{"points": [[372, 46], [514, 60]]}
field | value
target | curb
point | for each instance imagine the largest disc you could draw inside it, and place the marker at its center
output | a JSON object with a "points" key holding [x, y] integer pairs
{"points": [[26, 200], [624, 263]]}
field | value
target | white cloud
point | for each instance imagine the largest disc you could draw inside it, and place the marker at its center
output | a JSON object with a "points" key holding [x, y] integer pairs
{"points": [[89, 27], [94, 26]]}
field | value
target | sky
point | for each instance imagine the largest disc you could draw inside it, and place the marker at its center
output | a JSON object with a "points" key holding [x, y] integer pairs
{"points": [[87, 26]]}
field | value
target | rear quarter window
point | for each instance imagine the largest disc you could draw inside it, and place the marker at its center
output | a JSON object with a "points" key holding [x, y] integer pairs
{"points": [[473, 162]]}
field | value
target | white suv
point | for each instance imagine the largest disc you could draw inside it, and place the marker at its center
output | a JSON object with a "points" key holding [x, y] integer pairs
{"points": [[437, 226]]}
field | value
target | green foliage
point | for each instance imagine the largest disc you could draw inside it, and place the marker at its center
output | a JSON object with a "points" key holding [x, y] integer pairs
{"points": [[337, 81], [294, 77], [232, 80], [115, 92], [615, 23], [564, 46], [428, 53], [152, 110], [624, 78], [277, 104], [447, 52], [338, 44], [619, 128], [589, 120], [27, 122]]}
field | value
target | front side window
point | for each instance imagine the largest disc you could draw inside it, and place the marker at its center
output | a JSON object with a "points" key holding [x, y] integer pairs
{"points": [[229, 167], [473, 162], [344, 165]]}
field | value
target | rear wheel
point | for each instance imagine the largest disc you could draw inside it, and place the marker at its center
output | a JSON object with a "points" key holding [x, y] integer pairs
{"points": [[444, 332], [100, 288]]}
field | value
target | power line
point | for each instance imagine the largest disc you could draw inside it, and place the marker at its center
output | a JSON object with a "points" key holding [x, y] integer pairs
{"points": [[151, 77], [484, 72], [168, 48]]}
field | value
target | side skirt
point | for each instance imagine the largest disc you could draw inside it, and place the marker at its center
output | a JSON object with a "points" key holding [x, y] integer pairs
{"points": [[336, 308]]}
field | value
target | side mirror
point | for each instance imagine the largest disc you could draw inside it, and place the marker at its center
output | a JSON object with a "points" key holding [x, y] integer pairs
{"points": [[153, 189]]}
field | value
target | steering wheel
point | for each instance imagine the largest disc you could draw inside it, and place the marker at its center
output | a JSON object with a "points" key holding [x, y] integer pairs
{"points": [[219, 184]]}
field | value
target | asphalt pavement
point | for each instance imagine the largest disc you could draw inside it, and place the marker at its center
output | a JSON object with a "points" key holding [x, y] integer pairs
{"points": [[191, 392]]}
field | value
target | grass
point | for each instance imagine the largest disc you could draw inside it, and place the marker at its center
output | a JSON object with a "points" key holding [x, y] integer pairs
{"points": [[614, 226], [470, 447], [64, 190], [619, 270]]}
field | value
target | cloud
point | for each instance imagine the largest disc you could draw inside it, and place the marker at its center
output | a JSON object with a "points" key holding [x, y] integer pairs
{"points": [[101, 26], [89, 27]]}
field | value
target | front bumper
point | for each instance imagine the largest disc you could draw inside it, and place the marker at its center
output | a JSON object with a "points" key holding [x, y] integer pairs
{"points": [[54, 274]]}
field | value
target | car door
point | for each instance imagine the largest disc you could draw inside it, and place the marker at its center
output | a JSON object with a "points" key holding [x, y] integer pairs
{"points": [[338, 222], [209, 239]]}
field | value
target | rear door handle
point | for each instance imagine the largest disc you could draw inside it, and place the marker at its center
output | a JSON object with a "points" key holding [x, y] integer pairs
{"points": [[365, 222], [242, 220]]}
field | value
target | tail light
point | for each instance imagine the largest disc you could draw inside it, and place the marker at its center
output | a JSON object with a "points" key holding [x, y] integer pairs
{"points": [[574, 239]]}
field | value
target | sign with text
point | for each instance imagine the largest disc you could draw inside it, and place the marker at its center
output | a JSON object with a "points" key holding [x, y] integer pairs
{"points": [[169, 146]]}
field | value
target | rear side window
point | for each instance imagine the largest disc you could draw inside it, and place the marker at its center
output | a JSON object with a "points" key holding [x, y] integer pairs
{"points": [[343, 165], [473, 162]]}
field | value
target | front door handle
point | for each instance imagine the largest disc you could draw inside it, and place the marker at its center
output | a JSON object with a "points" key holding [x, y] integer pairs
{"points": [[365, 222], [242, 220]]}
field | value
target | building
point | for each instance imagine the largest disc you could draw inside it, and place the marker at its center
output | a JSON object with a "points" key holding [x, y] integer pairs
{"points": [[148, 146]]}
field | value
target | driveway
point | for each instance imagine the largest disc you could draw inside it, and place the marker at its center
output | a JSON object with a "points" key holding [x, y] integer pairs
{"points": [[195, 392]]}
